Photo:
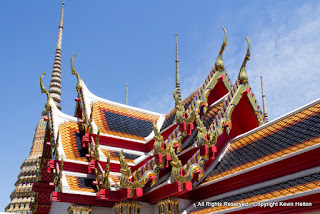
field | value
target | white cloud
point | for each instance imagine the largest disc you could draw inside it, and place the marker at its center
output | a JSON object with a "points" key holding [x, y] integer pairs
{"points": [[286, 53]]}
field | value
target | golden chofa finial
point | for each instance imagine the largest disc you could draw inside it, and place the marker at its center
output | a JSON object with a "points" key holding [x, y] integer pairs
{"points": [[44, 90], [74, 72], [243, 78], [219, 66]]}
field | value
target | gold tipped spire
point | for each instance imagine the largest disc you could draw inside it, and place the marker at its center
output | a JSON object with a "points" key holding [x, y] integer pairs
{"points": [[219, 65], [265, 112], [55, 85], [243, 78], [126, 94], [177, 69]]}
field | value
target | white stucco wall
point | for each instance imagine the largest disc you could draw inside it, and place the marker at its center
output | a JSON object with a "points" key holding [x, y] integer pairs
{"points": [[61, 208]]}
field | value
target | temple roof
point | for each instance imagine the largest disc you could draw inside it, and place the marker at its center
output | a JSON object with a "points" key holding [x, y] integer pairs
{"points": [[119, 120], [277, 139]]}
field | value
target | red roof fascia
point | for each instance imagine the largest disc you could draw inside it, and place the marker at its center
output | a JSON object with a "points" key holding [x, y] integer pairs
{"points": [[121, 143], [278, 169]]}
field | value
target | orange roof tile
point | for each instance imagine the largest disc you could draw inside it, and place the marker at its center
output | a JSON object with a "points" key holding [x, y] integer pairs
{"points": [[71, 141], [122, 122]]}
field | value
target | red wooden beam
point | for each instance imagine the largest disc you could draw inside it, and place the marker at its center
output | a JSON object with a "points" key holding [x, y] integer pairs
{"points": [[121, 143]]}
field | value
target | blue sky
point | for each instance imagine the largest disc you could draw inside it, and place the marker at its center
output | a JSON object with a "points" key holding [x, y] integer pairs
{"points": [[119, 42]]}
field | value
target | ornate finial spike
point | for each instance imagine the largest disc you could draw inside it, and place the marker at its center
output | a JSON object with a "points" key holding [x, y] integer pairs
{"points": [[74, 72], [177, 69], [243, 78], [126, 94], [265, 112], [44, 90], [219, 65], [55, 85]]}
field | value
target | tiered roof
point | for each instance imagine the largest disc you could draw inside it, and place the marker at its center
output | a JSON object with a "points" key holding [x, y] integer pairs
{"points": [[213, 146], [23, 197], [274, 162]]}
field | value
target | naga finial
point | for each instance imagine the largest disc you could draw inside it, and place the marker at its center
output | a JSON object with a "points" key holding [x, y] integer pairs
{"points": [[44, 90], [175, 163], [155, 128], [88, 125], [158, 139], [243, 78], [219, 66], [180, 110], [74, 72], [125, 171], [106, 172]]}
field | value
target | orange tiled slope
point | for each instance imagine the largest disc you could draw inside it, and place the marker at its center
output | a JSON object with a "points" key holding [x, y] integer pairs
{"points": [[85, 184], [99, 115], [71, 141], [80, 184], [114, 156]]}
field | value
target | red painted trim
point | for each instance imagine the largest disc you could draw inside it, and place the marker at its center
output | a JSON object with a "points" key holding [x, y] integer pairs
{"points": [[285, 167], [186, 156], [163, 192], [42, 187], [121, 143], [128, 144], [165, 134], [133, 168], [107, 195], [75, 167]]}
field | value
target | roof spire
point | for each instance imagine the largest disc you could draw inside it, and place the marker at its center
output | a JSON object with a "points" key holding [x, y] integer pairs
{"points": [[55, 84], [243, 77], [265, 112], [177, 70], [126, 94]]}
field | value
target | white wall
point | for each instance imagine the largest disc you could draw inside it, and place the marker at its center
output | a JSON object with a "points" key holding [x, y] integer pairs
{"points": [[102, 210], [148, 209], [183, 204], [61, 208]]}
